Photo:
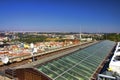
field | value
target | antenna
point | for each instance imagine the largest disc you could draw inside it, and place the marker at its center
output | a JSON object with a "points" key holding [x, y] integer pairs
{"points": [[35, 50], [31, 45], [5, 59], [80, 32]]}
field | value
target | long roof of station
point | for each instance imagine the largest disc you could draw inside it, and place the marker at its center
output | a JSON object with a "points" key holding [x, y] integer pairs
{"points": [[79, 65]]}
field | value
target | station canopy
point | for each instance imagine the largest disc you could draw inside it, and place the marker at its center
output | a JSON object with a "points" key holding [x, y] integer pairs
{"points": [[79, 65]]}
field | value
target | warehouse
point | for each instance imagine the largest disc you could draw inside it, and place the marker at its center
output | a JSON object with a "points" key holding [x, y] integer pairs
{"points": [[79, 65]]}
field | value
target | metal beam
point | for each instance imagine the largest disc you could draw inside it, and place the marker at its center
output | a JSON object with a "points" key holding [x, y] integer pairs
{"points": [[105, 76]]}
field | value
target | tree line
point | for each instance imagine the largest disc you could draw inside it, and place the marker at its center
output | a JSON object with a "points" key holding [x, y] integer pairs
{"points": [[112, 37]]}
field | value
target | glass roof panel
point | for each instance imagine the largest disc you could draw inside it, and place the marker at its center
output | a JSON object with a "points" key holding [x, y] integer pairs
{"points": [[79, 65]]}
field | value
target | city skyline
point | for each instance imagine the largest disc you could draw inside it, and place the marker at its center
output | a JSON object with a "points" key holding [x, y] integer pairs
{"points": [[60, 15]]}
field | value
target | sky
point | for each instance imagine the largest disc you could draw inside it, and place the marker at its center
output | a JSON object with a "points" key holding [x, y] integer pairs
{"points": [[60, 15]]}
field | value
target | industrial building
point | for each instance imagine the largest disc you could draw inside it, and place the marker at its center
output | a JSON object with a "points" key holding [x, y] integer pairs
{"points": [[83, 64]]}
